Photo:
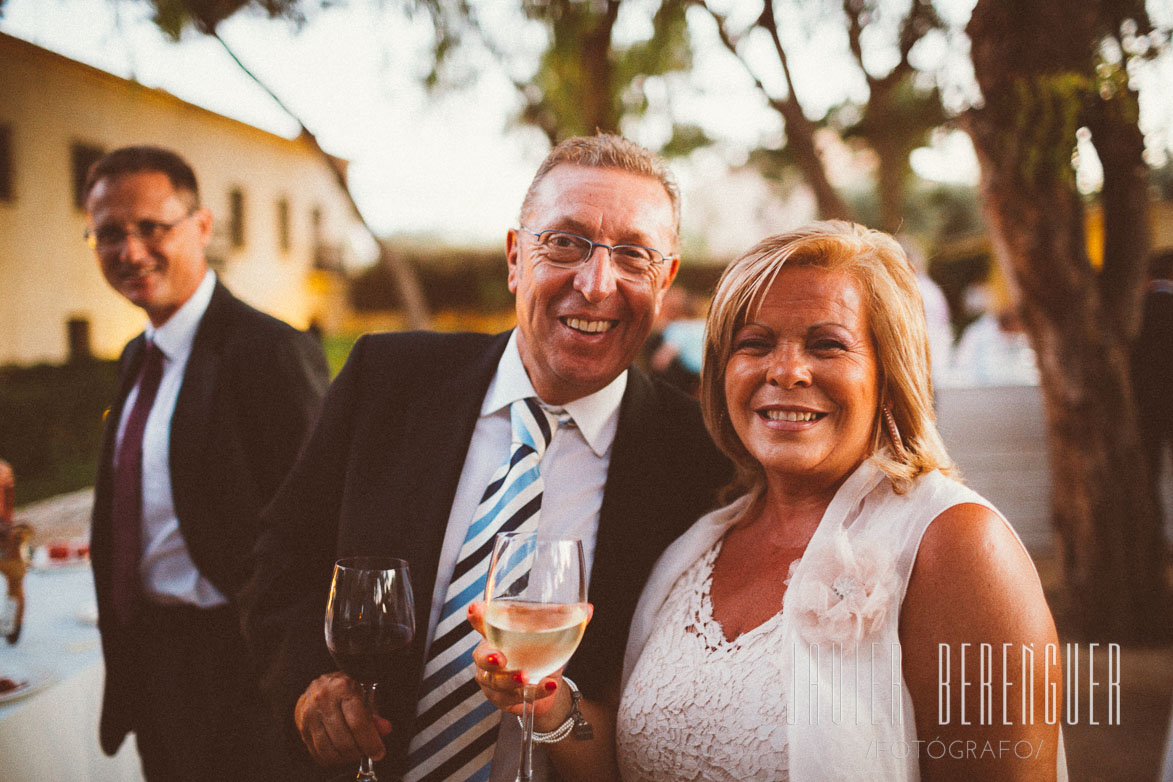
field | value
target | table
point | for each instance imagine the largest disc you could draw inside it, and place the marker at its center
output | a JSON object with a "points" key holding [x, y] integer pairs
{"points": [[52, 734]]}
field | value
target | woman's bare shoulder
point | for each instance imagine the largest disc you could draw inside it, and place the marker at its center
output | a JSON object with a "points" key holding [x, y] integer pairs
{"points": [[974, 581]]}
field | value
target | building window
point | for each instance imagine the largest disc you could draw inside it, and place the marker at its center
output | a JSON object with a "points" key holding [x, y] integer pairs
{"points": [[283, 224], [5, 163], [82, 156], [316, 225], [236, 217]]}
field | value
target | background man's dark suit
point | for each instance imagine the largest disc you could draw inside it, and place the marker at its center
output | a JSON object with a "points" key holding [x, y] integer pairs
{"points": [[250, 391], [378, 477], [1152, 367]]}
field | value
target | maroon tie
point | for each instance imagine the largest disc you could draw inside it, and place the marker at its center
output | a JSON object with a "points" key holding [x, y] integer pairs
{"points": [[127, 508]]}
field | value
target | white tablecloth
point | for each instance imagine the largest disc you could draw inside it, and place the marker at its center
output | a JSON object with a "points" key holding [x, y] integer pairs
{"points": [[52, 734]]}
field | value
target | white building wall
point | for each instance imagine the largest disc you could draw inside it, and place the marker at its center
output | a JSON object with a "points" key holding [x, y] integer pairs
{"points": [[47, 273]]}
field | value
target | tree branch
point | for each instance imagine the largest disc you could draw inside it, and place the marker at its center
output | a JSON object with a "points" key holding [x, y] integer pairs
{"points": [[799, 129], [768, 23], [778, 104], [851, 8], [409, 289]]}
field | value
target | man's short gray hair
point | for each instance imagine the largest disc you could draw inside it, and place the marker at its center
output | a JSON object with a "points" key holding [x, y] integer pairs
{"points": [[608, 150]]}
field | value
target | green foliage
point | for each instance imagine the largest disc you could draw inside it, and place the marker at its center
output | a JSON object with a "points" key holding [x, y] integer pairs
{"points": [[955, 268], [583, 80], [337, 348], [175, 16], [685, 140], [940, 213], [51, 429], [1049, 111], [901, 122]]}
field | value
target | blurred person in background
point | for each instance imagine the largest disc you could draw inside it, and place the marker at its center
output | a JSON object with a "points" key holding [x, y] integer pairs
{"points": [[1152, 363], [214, 403], [936, 307], [994, 350], [7, 492], [673, 350]]}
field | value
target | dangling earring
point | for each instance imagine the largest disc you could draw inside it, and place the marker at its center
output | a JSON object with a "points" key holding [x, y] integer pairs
{"points": [[893, 432]]}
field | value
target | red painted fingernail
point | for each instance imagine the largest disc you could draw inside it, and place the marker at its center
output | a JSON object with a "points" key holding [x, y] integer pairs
{"points": [[551, 686], [517, 677], [493, 659]]}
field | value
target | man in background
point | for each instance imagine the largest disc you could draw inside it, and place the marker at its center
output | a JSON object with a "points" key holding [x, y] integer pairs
{"points": [[413, 458], [214, 403]]}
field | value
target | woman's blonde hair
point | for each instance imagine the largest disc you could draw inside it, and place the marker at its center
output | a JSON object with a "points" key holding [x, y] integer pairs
{"points": [[895, 316]]}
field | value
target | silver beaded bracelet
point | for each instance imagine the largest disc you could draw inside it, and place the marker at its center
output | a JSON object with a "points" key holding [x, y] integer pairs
{"points": [[574, 721]]}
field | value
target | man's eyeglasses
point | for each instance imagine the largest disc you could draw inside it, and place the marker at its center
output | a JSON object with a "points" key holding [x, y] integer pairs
{"points": [[563, 248], [147, 231]]}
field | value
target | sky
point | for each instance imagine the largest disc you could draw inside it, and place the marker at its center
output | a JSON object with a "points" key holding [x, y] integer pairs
{"points": [[451, 164]]}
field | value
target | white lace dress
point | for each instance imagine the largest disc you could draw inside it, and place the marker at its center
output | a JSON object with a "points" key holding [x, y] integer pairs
{"points": [[700, 707], [801, 697]]}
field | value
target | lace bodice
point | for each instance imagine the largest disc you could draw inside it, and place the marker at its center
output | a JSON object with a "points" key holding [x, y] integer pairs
{"points": [[700, 707], [778, 702]]}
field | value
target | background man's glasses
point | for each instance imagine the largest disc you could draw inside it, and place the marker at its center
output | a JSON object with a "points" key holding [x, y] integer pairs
{"points": [[563, 248], [147, 231]]}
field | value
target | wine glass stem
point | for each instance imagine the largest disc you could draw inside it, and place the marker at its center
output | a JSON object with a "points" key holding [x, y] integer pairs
{"points": [[366, 769], [525, 769]]}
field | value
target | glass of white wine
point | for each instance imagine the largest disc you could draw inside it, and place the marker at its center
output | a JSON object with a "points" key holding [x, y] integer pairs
{"points": [[535, 612]]}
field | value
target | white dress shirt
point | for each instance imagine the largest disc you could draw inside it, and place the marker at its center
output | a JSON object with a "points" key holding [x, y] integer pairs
{"points": [[168, 574], [574, 472]]}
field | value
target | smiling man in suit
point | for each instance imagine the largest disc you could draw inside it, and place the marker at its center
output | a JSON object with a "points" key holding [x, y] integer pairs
{"points": [[413, 442], [215, 401]]}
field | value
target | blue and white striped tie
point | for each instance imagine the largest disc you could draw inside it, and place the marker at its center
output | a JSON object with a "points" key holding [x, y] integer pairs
{"points": [[455, 727]]}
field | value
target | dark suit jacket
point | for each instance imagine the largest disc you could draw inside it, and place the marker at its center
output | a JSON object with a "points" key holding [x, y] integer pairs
{"points": [[250, 392], [1152, 371], [378, 477]]}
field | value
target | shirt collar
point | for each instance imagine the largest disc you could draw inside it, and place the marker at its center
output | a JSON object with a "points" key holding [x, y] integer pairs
{"points": [[175, 337], [596, 415]]}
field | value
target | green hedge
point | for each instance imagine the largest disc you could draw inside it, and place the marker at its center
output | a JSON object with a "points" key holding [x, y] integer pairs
{"points": [[51, 424]]}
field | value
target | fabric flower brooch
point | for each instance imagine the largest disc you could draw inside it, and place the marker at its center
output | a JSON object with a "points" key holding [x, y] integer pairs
{"points": [[845, 593]]}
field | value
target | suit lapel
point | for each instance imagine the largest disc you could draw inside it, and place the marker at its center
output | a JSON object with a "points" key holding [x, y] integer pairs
{"points": [[631, 534], [428, 470], [129, 365], [627, 477], [193, 409], [406, 514]]}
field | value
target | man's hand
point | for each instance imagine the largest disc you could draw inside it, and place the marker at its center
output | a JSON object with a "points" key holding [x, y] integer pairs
{"points": [[336, 725]]}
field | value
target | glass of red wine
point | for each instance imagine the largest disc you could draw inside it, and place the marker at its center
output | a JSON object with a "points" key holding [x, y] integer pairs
{"points": [[370, 615]]}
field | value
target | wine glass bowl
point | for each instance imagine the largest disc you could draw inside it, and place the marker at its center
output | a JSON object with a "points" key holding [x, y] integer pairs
{"points": [[370, 615], [535, 613], [536, 638]]}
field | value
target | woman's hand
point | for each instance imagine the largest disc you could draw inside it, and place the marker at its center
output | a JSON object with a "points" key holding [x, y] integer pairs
{"points": [[503, 687]]}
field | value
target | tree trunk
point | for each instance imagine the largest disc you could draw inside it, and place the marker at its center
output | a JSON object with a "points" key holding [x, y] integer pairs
{"points": [[599, 110], [1112, 550], [800, 138], [890, 185]]}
